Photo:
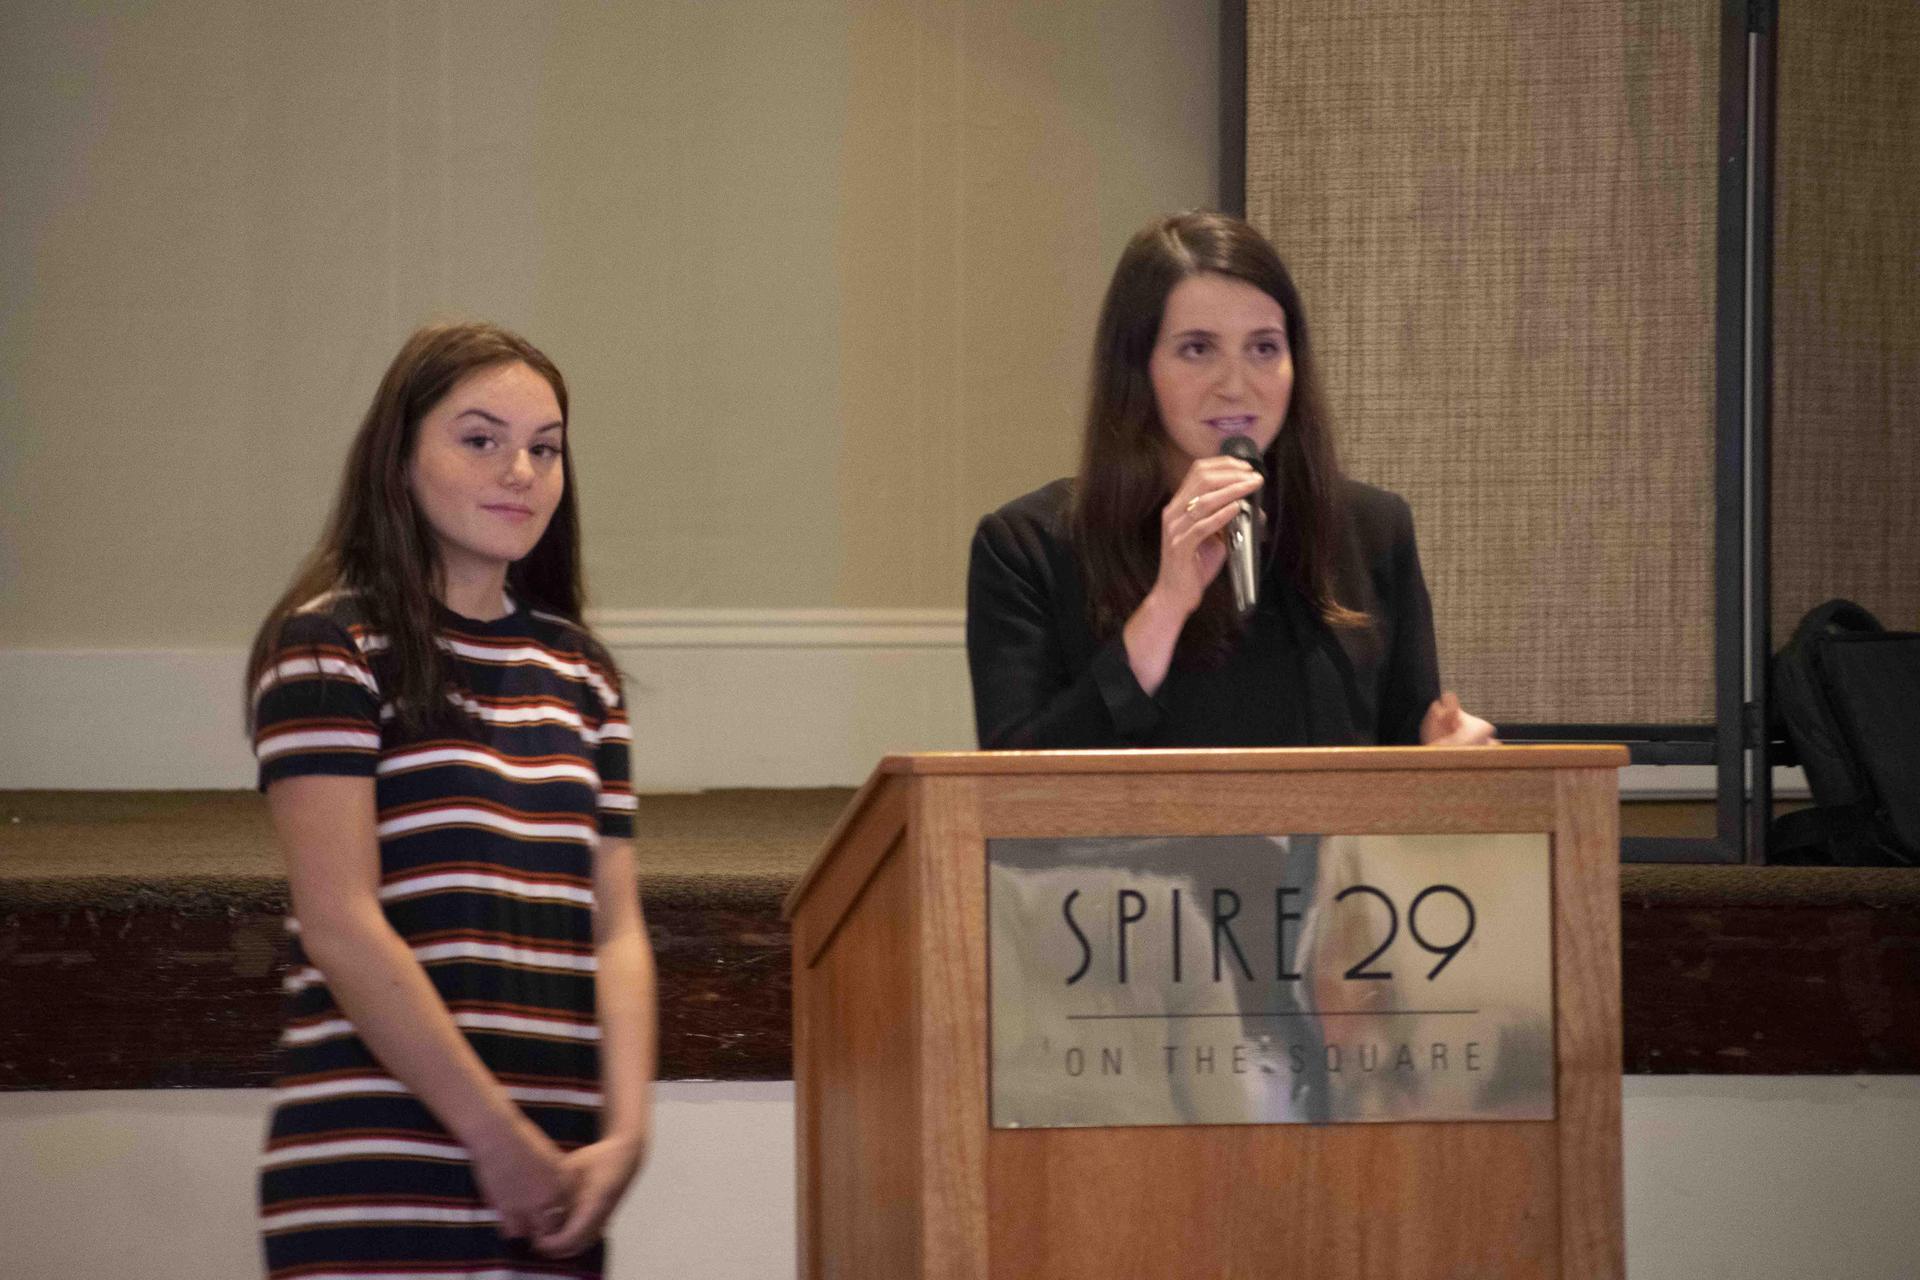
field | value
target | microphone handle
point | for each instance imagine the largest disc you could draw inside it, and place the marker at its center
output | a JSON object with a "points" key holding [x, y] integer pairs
{"points": [[1243, 558]]}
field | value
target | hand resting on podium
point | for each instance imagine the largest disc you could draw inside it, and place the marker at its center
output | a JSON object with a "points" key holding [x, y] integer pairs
{"points": [[1447, 725]]}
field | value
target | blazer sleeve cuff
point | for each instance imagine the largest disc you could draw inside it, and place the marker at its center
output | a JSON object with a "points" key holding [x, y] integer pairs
{"points": [[1134, 712]]}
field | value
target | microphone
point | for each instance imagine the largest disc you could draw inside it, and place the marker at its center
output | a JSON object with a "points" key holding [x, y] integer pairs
{"points": [[1246, 533]]}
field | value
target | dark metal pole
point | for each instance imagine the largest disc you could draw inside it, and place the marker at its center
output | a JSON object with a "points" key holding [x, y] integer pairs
{"points": [[1763, 38], [1233, 107], [1730, 453]]}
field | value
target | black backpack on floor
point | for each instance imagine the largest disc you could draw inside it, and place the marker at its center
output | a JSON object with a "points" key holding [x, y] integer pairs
{"points": [[1846, 691]]}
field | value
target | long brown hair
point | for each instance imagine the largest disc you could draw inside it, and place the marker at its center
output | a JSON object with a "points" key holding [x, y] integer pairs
{"points": [[377, 544], [1122, 483]]}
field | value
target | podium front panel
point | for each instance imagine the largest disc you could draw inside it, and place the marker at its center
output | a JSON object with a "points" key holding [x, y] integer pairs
{"points": [[1304, 979], [904, 1174], [1337, 1202]]}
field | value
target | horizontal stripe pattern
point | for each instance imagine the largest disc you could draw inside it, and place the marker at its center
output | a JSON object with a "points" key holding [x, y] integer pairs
{"points": [[316, 735], [409, 1213], [481, 878], [431, 953], [501, 953], [505, 1019], [329, 1148], [525, 769], [318, 663], [517, 654], [487, 840], [368, 1084], [522, 1272], [527, 826]]}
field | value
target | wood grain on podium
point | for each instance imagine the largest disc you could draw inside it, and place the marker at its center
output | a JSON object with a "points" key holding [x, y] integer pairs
{"points": [[1276, 1200], [857, 1104], [953, 1027], [902, 1175], [1245, 1200], [1586, 925]]}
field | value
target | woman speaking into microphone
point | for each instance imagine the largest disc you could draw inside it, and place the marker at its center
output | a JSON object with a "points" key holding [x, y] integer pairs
{"points": [[1098, 614]]}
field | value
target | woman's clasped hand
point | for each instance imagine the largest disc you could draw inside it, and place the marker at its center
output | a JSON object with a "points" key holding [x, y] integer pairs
{"points": [[527, 1181]]}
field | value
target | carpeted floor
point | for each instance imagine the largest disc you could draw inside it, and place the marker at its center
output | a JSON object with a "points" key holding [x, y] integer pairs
{"points": [[107, 848], [113, 848]]}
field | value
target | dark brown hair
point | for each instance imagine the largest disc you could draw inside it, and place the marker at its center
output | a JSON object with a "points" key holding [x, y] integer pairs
{"points": [[377, 545], [1122, 484]]}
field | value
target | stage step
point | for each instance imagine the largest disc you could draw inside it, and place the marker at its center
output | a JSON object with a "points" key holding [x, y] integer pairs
{"points": [[141, 945]]}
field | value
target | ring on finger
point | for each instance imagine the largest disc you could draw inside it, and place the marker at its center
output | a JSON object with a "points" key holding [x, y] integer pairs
{"points": [[1192, 502]]}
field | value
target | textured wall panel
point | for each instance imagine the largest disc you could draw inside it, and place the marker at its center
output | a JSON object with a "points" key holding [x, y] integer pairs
{"points": [[1502, 217], [1846, 317]]}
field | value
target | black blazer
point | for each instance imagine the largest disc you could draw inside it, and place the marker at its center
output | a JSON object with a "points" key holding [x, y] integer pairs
{"points": [[1042, 680]]}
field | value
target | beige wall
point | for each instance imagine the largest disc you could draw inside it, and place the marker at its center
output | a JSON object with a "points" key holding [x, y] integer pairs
{"points": [[822, 276]]}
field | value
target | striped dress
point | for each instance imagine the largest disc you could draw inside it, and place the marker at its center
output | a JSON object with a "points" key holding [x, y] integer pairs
{"points": [[486, 847]]}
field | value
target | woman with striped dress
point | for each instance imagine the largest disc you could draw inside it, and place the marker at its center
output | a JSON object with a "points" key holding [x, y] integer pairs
{"points": [[469, 1044]]}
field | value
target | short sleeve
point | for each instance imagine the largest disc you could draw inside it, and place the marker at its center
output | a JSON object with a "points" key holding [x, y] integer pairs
{"points": [[316, 704], [613, 760]]}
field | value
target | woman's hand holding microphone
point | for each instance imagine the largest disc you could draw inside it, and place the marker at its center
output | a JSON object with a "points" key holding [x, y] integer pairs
{"points": [[1191, 555]]}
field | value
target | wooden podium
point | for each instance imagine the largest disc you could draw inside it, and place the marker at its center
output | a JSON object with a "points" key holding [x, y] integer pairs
{"points": [[901, 1174]]}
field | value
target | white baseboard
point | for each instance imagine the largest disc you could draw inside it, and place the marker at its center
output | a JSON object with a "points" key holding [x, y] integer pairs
{"points": [[1761, 1177], [791, 698], [720, 698], [781, 628], [122, 719]]}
